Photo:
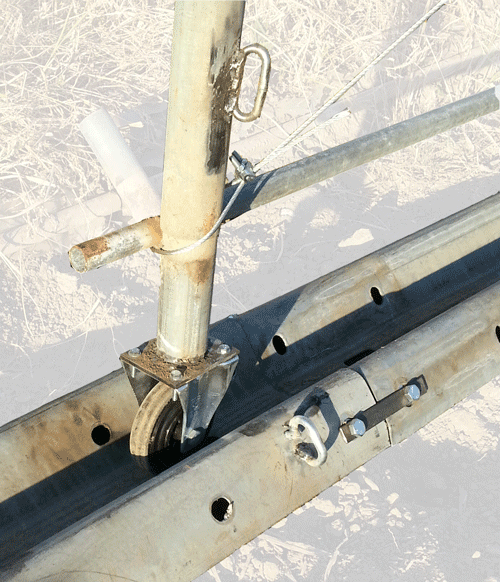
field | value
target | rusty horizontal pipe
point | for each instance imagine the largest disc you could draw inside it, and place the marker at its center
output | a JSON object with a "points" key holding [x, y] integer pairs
{"points": [[119, 244], [303, 173]]}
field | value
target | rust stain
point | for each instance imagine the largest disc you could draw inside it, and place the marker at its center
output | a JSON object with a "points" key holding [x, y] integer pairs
{"points": [[153, 226], [209, 221], [96, 246], [225, 88], [200, 271], [153, 361]]}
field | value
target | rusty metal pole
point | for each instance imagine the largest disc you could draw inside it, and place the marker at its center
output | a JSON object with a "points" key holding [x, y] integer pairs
{"points": [[204, 84]]}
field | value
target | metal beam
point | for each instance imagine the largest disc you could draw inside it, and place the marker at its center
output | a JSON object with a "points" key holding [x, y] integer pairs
{"points": [[56, 471], [298, 175], [232, 490], [204, 84]]}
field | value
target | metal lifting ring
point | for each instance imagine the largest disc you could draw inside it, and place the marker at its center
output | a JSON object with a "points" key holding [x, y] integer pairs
{"points": [[265, 71], [309, 426]]}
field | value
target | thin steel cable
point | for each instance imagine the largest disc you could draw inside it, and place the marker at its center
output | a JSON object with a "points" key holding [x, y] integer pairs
{"points": [[293, 138], [210, 233]]}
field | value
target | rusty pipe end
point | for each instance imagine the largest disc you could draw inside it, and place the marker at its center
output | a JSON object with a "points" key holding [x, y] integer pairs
{"points": [[77, 259]]}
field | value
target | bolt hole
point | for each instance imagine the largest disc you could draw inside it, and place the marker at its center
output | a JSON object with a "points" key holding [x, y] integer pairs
{"points": [[222, 509], [101, 435], [497, 331], [279, 345], [376, 296]]}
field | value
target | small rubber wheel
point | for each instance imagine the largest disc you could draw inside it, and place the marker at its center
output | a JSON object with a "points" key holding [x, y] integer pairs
{"points": [[156, 431]]}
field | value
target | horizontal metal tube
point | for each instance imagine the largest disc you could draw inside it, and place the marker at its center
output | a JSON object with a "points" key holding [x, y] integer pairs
{"points": [[335, 316], [257, 462], [353, 311], [334, 161], [418, 277], [119, 244], [303, 173]]}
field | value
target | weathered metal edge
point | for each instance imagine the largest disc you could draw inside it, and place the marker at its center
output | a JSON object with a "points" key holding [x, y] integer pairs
{"points": [[256, 470]]}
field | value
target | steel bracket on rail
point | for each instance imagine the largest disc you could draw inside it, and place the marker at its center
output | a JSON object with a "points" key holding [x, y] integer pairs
{"points": [[199, 385]]}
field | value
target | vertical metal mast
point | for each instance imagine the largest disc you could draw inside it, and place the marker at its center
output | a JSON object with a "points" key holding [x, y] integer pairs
{"points": [[204, 82]]}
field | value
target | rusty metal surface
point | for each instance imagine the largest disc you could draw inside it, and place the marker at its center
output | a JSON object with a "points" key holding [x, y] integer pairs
{"points": [[60, 434], [54, 473], [105, 249], [204, 78], [151, 362]]}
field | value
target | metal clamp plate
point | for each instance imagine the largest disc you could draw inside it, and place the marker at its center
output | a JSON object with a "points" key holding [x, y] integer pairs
{"points": [[383, 409]]}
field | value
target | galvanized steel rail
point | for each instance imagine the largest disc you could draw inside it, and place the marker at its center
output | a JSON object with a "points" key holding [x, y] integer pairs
{"points": [[213, 500]]}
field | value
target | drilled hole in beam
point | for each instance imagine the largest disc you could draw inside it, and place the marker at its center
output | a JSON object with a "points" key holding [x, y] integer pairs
{"points": [[100, 435], [376, 296], [222, 509], [279, 345]]}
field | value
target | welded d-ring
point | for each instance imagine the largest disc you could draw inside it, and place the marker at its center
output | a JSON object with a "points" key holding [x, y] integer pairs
{"points": [[294, 433], [265, 71]]}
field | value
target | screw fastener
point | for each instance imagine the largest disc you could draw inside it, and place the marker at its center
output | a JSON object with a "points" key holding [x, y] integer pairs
{"points": [[176, 375], [412, 393], [134, 352], [224, 349], [356, 427]]}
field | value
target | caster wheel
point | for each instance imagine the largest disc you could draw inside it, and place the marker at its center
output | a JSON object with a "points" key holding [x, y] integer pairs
{"points": [[156, 431]]}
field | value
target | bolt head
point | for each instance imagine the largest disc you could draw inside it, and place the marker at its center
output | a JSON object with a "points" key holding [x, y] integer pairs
{"points": [[134, 352], [304, 451], [224, 349], [356, 427], [176, 375], [412, 393]]}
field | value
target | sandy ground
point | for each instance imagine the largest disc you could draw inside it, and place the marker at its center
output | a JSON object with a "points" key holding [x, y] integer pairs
{"points": [[426, 510]]}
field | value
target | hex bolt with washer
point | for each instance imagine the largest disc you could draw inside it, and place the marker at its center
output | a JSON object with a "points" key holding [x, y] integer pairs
{"points": [[412, 393], [134, 352], [356, 427], [176, 375], [224, 349]]}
